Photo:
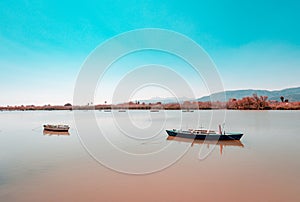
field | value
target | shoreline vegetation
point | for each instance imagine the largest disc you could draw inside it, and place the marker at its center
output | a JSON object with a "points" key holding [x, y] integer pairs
{"points": [[247, 103]]}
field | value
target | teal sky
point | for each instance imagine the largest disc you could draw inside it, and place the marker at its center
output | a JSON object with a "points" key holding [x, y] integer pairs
{"points": [[255, 44]]}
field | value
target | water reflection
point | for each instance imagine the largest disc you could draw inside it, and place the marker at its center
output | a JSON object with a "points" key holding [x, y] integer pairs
{"points": [[208, 143], [51, 133]]}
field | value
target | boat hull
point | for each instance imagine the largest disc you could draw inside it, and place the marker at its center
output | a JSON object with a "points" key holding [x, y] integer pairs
{"points": [[56, 130], [227, 136]]}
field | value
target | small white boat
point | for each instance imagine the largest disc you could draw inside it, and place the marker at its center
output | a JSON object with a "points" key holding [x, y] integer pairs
{"points": [[154, 110], [56, 128]]}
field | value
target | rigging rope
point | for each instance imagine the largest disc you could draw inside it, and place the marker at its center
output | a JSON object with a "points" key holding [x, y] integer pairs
{"points": [[35, 129]]}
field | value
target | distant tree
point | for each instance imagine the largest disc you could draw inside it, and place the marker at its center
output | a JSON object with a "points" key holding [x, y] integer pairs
{"points": [[255, 97], [281, 98], [254, 102], [68, 105], [286, 100], [257, 101], [263, 102]]}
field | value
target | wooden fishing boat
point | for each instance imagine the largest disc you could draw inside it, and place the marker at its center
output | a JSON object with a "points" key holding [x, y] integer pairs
{"points": [[56, 128], [204, 134]]}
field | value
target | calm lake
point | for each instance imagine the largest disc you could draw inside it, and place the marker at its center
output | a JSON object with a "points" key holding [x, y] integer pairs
{"points": [[127, 156]]}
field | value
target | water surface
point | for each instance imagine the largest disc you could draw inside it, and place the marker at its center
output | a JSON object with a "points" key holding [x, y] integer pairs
{"points": [[263, 166]]}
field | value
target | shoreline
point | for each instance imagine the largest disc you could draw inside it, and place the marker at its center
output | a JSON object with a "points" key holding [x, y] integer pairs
{"points": [[147, 109], [247, 103]]}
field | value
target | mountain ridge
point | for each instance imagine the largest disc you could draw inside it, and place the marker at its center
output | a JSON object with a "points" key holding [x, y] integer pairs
{"points": [[292, 94]]}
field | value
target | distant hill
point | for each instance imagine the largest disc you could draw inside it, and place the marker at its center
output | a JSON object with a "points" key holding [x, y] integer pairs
{"points": [[292, 94]]}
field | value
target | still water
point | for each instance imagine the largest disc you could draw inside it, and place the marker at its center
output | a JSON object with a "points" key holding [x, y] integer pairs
{"points": [[129, 157]]}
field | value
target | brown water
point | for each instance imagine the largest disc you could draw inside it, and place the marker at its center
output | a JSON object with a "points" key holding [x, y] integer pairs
{"points": [[263, 166]]}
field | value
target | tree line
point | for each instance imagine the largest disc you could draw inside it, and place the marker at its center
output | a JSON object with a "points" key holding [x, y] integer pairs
{"points": [[253, 102]]}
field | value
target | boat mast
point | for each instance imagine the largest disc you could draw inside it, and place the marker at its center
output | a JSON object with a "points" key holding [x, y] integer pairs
{"points": [[220, 129]]}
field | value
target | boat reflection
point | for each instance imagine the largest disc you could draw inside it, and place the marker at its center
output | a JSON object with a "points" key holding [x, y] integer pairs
{"points": [[56, 133], [223, 143]]}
